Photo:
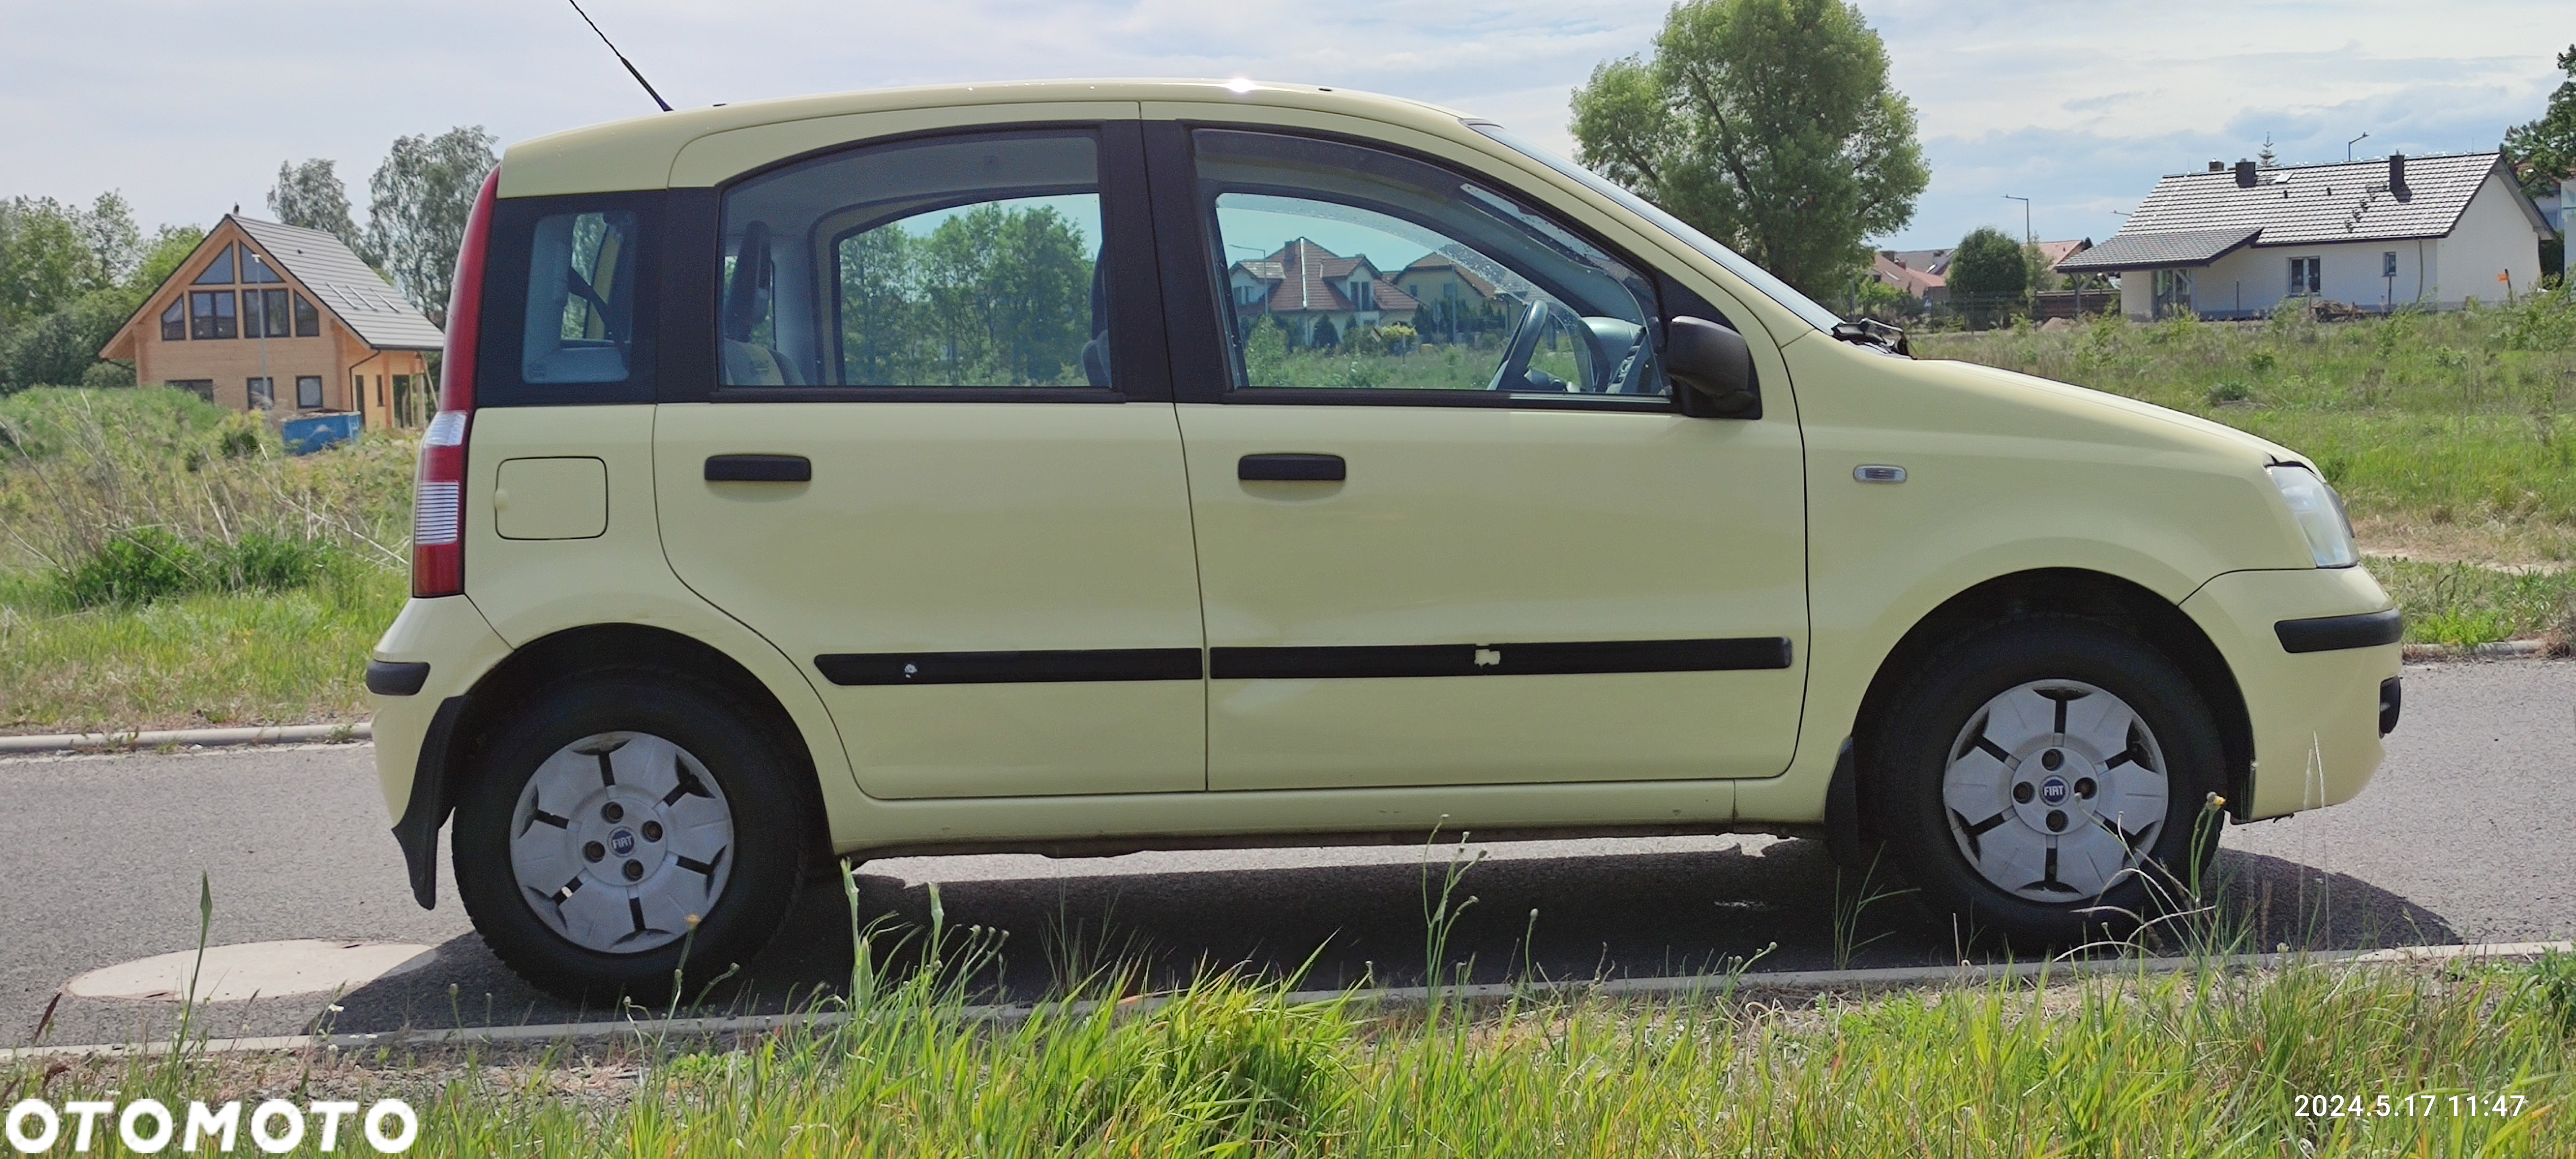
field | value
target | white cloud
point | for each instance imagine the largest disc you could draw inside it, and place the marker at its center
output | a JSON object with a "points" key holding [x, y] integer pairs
{"points": [[189, 108]]}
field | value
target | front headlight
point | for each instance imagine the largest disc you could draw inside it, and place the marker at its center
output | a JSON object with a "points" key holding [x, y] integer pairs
{"points": [[2320, 514]]}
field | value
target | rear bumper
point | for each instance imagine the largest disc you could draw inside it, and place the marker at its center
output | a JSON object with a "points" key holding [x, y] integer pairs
{"points": [[2311, 650], [412, 731]]}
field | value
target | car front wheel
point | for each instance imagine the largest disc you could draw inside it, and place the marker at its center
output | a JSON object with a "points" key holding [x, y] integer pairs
{"points": [[2045, 778]]}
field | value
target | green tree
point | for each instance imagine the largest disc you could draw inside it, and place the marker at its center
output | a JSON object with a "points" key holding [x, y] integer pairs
{"points": [[418, 201], [52, 253], [2544, 150], [311, 196], [1769, 125], [1987, 270]]}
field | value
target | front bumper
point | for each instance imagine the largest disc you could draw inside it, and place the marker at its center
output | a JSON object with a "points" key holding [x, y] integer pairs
{"points": [[2316, 712], [411, 731]]}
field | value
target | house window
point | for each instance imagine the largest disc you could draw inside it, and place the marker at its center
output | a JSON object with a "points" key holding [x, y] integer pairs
{"points": [[218, 272], [210, 314], [2388, 264], [203, 388], [406, 410], [264, 314], [1363, 294], [2303, 276], [174, 321], [308, 391], [254, 268], [308, 321], [263, 393]]}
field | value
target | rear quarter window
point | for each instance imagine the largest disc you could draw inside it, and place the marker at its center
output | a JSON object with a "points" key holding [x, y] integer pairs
{"points": [[572, 298]]}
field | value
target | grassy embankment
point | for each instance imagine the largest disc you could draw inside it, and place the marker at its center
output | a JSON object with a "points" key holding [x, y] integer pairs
{"points": [[2452, 436], [2461, 1060], [165, 564]]}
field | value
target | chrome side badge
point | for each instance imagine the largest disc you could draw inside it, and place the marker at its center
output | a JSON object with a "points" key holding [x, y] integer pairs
{"points": [[1878, 473]]}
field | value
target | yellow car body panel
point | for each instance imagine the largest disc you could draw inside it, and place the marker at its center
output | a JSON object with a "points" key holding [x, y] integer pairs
{"points": [[2315, 714], [959, 527], [2004, 474], [460, 647], [1501, 527]]}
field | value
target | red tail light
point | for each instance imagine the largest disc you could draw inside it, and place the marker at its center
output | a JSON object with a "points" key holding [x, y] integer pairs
{"points": [[438, 498]]}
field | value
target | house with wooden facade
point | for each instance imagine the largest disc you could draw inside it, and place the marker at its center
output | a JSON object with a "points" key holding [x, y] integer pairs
{"points": [[286, 322]]}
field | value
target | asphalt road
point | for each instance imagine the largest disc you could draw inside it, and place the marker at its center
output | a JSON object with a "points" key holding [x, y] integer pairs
{"points": [[2464, 836]]}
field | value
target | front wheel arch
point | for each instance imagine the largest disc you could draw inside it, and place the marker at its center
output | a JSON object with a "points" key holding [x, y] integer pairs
{"points": [[2079, 592]]}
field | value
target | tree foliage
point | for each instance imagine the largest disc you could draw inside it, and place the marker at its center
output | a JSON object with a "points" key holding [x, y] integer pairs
{"points": [[1988, 269], [310, 196], [2544, 150], [69, 276], [417, 204], [1769, 125], [991, 296]]}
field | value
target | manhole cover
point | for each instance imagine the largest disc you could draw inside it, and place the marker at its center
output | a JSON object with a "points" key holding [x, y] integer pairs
{"points": [[264, 969]]}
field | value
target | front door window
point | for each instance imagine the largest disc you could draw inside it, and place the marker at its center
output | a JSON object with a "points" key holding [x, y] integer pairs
{"points": [[1391, 274]]}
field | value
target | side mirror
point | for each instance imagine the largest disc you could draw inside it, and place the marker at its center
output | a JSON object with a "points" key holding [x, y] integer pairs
{"points": [[1715, 364]]}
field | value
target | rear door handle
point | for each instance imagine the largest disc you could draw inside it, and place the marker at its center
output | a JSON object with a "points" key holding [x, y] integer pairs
{"points": [[759, 469], [1293, 468]]}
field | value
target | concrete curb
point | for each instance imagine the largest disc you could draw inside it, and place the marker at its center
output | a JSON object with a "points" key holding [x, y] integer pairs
{"points": [[1491, 994], [2500, 650], [207, 737]]}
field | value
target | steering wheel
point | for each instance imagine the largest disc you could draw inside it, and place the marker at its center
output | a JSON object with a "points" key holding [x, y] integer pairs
{"points": [[1514, 374]]}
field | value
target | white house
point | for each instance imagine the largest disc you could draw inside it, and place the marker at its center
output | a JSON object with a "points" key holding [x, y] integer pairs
{"points": [[2232, 243]]}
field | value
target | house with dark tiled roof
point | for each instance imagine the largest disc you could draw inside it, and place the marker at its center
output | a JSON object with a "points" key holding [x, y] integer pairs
{"points": [[2236, 242], [1455, 299], [1316, 294], [287, 322]]}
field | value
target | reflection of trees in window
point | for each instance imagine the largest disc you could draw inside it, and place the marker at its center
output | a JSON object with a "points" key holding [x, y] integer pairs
{"points": [[993, 296]]}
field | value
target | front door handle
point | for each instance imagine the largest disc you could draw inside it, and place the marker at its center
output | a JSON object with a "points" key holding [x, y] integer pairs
{"points": [[759, 469], [1293, 468]]}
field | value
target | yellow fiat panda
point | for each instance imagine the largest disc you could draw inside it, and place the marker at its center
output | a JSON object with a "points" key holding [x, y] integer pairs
{"points": [[1082, 468]]}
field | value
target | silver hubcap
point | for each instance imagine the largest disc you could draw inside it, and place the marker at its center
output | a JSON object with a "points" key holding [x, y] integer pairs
{"points": [[619, 839], [2053, 789]]}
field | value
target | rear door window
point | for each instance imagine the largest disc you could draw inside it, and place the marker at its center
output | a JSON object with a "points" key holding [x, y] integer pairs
{"points": [[959, 262]]}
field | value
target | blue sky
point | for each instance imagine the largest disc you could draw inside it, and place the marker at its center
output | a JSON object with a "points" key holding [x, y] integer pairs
{"points": [[188, 108]]}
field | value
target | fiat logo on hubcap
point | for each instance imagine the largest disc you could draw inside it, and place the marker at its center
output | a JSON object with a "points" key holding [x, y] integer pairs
{"points": [[2052, 790], [622, 841]]}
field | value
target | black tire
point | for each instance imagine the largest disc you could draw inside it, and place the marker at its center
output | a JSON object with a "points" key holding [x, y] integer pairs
{"points": [[755, 774], [1910, 752]]}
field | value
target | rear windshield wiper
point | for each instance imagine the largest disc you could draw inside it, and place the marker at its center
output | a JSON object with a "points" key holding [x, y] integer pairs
{"points": [[1872, 332]]}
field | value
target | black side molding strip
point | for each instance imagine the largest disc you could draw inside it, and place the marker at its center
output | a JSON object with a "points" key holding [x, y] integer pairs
{"points": [[1554, 659], [759, 469], [396, 678], [1051, 667], [2334, 633]]}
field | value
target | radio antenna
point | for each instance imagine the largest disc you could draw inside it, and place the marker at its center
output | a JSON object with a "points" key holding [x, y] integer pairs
{"points": [[621, 57]]}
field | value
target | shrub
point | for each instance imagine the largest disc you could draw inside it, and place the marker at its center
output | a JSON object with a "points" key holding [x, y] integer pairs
{"points": [[263, 562], [2231, 390], [134, 568]]}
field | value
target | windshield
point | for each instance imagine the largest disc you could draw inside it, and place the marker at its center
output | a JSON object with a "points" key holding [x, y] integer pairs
{"points": [[1780, 291]]}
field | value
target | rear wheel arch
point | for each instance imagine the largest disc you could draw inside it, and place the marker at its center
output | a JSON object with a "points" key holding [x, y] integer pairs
{"points": [[2091, 595], [600, 647]]}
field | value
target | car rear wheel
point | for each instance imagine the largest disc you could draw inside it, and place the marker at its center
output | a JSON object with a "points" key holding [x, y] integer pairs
{"points": [[2045, 778], [622, 821]]}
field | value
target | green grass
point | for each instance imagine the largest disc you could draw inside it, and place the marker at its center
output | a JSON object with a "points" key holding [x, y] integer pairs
{"points": [[2463, 603], [2198, 1064], [243, 657], [2439, 428]]}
